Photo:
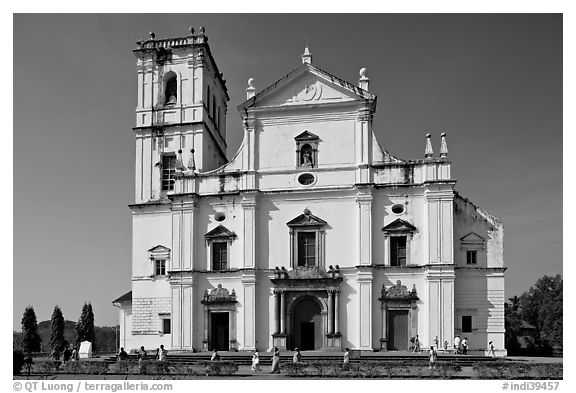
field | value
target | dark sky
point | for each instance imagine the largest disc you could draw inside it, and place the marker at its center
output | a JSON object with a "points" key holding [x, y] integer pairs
{"points": [[492, 82]]}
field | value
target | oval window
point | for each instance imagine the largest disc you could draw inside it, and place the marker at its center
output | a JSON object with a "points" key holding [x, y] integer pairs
{"points": [[306, 179], [398, 209], [220, 217]]}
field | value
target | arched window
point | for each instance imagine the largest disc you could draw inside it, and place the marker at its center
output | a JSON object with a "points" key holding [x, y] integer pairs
{"points": [[171, 89], [213, 107]]}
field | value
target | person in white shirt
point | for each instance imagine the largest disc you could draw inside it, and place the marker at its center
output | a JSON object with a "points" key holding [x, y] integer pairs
{"points": [[457, 343], [433, 357], [162, 354]]}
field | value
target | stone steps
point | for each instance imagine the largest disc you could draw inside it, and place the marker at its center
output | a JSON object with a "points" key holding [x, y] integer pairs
{"points": [[245, 358]]}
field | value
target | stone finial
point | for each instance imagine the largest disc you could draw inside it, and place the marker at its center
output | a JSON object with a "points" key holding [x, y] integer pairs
{"points": [[428, 152], [307, 212], [250, 90], [443, 146], [307, 56], [363, 81], [191, 30], [152, 35], [191, 162]]}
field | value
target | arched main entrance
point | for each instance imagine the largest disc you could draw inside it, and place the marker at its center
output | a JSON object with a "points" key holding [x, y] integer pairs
{"points": [[307, 324]]}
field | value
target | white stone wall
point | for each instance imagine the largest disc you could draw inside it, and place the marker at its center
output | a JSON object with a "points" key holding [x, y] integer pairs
{"points": [[146, 311]]}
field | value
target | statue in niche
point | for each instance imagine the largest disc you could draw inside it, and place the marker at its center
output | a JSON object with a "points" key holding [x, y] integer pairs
{"points": [[306, 156]]}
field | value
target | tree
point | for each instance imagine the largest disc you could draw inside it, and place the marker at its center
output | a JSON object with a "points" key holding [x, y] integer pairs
{"points": [[512, 324], [85, 326], [57, 341], [30, 338], [541, 306]]}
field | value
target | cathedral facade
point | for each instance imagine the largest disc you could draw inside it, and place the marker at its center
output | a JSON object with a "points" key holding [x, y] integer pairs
{"points": [[311, 236]]}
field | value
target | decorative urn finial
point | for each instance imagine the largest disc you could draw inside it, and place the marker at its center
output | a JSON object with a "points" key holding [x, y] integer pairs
{"points": [[428, 152]]}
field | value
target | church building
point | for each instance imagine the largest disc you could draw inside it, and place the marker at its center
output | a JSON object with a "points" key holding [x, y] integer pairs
{"points": [[312, 236]]}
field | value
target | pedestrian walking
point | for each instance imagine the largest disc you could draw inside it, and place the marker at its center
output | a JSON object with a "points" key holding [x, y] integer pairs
{"points": [[256, 362], [433, 358], [464, 344], [142, 356], [491, 349], [162, 354], [457, 344], [416, 344], [122, 355], [297, 356], [275, 369], [346, 356]]}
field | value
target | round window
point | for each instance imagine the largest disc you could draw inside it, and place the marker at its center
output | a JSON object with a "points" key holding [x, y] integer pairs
{"points": [[398, 209], [220, 217], [306, 179]]}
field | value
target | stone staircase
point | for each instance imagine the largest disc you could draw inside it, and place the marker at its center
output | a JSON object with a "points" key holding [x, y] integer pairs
{"points": [[245, 358]]}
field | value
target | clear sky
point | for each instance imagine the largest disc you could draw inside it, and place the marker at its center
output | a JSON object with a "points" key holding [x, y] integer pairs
{"points": [[493, 83]]}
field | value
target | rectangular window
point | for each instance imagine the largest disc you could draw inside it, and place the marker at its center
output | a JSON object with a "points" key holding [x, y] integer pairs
{"points": [[166, 326], [306, 249], [471, 257], [219, 256], [168, 172], [160, 267], [466, 324], [398, 251]]}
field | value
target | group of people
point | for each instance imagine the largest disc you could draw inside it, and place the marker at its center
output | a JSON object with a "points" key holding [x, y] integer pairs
{"points": [[65, 355], [275, 367], [461, 346], [143, 354]]}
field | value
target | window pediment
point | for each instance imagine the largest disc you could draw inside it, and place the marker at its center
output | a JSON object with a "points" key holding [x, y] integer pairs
{"points": [[306, 136], [472, 238], [399, 226], [307, 219], [159, 252], [220, 233]]}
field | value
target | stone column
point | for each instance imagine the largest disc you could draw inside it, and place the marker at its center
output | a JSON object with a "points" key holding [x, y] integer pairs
{"points": [[330, 311], [206, 316], [276, 312], [283, 312], [336, 313], [384, 339]]}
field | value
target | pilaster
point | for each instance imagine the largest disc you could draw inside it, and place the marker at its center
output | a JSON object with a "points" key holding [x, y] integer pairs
{"points": [[183, 229], [182, 311], [249, 311], [364, 317], [364, 226], [440, 288], [439, 208], [249, 203]]}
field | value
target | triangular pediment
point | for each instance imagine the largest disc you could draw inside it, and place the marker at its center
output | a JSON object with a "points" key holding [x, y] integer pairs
{"points": [[220, 232], [472, 238], [159, 249], [306, 219], [307, 85], [306, 136], [399, 225]]}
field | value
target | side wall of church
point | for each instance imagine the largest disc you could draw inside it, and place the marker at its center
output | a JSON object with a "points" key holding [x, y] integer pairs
{"points": [[479, 289]]}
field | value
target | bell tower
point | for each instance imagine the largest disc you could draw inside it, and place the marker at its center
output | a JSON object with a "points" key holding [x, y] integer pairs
{"points": [[180, 113]]}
